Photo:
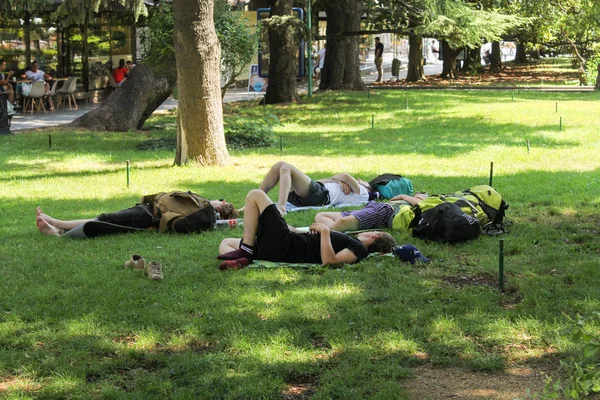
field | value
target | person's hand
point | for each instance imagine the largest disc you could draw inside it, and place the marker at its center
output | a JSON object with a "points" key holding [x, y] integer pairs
{"points": [[318, 227], [10, 74], [345, 188]]}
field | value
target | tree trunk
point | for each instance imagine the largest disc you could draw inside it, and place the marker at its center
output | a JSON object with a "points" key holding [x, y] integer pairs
{"points": [[341, 70], [415, 70], [283, 50], [496, 61], [473, 60], [449, 70], [597, 87], [128, 107], [521, 55], [200, 135]]}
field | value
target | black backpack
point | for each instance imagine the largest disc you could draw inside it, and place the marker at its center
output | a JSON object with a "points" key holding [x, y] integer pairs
{"points": [[446, 223]]}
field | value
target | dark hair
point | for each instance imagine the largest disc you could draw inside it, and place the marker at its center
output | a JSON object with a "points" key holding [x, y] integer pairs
{"points": [[227, 211], [2, 61], [35, 62], [377, 38], [121, 63], [385, 243]]}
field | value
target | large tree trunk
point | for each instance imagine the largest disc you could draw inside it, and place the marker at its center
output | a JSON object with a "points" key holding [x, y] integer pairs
{"points": [[342, 64], [521, 55], [128, 107], [496, 61], [449, 55], [415, 70], [597, 87], [200, 136], [283, 49]]}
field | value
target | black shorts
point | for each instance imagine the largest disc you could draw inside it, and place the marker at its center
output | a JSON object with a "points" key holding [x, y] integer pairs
{"points": [[317, 196], [138, 216], [272, 235]]}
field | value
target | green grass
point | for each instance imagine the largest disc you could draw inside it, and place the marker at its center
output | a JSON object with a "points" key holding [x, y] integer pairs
{"points": [[74, 324]]}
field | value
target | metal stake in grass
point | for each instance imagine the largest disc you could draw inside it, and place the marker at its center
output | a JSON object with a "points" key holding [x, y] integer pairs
{"points": [[501, 266], [128, 168], [406, 103], [513, 96], [491, 172], [557, 106], [280, 143], [368, 94], [560, 124], [49, 142], [528, 147], [372, 121]]}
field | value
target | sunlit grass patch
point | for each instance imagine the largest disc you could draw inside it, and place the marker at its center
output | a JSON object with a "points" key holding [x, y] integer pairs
{"points": [[74, 323]]}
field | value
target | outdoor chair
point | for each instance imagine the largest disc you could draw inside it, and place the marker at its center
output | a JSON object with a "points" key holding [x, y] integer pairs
{"points": [[36, 96], [67, 91], [51, 95]]}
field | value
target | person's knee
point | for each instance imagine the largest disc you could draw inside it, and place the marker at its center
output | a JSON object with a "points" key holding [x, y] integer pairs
{"points": [[279, 165], [255, 194]]}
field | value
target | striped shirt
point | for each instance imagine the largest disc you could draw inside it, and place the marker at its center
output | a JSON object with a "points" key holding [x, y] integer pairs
{"points": [[372, 216]]}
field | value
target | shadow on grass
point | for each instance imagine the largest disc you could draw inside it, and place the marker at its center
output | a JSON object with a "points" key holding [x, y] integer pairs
{"points": [[75, 323]]}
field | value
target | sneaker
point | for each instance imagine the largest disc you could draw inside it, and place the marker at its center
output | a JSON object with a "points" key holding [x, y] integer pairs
{"points": [[155, 271], [136, 262]]}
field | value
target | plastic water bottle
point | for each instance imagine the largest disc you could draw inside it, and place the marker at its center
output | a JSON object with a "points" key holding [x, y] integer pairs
{"points": [[229, 223]]}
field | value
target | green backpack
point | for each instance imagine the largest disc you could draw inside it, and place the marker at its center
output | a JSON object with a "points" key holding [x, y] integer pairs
{"points": [[468, 204], [490, 201], [482, 202]]}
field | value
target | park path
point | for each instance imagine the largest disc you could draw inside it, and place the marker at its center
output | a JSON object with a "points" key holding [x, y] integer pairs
{"points": [[61, 117]]}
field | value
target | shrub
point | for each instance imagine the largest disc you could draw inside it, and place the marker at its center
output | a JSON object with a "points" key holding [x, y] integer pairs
{"points": [[240, 133], [246, 132]]}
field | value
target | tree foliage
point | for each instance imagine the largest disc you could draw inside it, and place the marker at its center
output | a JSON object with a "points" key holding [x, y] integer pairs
{"points": [[463, 25], [238, 43]]}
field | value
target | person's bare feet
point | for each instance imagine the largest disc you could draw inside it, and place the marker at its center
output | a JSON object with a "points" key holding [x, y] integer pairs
{"points": [[40, 214], [47, 229]]}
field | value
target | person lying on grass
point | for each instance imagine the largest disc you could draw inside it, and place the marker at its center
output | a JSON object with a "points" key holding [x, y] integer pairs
{"points": [[300, 190], [372, 216], [139, 217], [268, 237]]}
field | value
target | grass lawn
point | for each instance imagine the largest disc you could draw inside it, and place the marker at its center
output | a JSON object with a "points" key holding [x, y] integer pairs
{"points": [[75, 324]]}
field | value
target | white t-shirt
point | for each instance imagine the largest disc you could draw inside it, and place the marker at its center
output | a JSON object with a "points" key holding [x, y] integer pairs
{"points": [[321, 55], [35, 76], [337, 196]]}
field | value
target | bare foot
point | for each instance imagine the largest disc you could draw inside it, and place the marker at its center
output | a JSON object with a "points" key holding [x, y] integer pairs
{"points": [[47, 229], [40, 214]]}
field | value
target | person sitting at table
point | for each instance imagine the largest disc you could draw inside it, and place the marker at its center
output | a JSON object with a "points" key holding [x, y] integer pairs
{"points": [[36, 74], [121, 72], [5, 86]]}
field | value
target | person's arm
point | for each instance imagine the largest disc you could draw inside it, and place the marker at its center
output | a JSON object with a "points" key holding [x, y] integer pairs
{"points": [[328, 255], [47, 76], [413, 201], [349, 180], [7, 77]]}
